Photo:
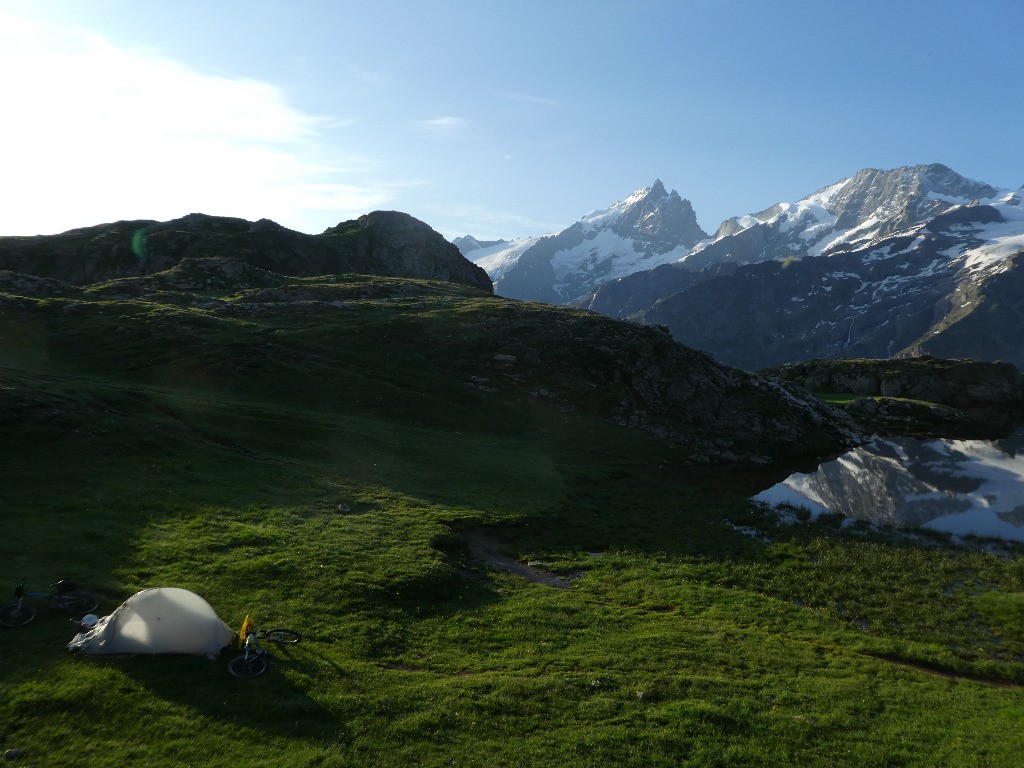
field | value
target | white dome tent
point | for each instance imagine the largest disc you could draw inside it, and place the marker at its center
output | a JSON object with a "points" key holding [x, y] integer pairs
{"points": [[159, 620]]}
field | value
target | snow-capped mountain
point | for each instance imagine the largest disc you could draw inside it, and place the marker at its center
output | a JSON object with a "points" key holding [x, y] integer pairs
{"points": [[850, 213], [886, 263], [915, 260], [650, 227], [468, 243], [496, 257]]}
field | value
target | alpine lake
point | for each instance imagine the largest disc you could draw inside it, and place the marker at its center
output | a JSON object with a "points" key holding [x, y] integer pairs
{"points": [[969, 489]]}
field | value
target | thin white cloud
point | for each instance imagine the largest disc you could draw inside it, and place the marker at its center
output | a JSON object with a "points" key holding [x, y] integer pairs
{"points": [[94, 132], [446, 125]]}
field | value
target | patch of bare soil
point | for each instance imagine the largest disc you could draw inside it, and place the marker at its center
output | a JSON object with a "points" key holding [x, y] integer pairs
{"points": [[487, 548]]}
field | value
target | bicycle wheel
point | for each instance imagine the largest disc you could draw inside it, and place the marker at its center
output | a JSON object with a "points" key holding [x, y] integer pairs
{"points": [[254, 666], [284, 636], [80, 602], [15, 615]]}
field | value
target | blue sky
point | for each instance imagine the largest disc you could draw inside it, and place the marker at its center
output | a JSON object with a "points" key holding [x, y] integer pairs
{"points": [[497, 119]]}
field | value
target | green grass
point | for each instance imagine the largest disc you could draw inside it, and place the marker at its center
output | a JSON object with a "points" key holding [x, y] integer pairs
{"points": [[282, 466]]}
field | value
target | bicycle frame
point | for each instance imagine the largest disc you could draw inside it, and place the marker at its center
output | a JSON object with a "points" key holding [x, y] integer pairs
{"points": [[252, 662], [64, 598], [254, 659], [60, 602], [252, 647]]}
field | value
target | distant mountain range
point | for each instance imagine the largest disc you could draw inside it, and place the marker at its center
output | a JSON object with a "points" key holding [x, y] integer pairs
{"points": [[886, 263]]}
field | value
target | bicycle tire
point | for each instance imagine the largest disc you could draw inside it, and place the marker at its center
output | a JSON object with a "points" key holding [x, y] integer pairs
{"points": [[14, 615], [245, 668], [281, 636], [81, 602]]}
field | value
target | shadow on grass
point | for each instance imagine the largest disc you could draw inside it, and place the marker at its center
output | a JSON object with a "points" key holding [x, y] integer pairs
{"points": [[271, 703], [658, 509]]}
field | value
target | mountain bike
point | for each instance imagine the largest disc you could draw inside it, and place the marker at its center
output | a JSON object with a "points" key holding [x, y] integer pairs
{"points": [[253, 661], [65, 597]]}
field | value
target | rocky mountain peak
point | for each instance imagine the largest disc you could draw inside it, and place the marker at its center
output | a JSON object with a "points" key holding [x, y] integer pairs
{"points": [[392, 221], [467, 244], [901, 197], [649, 227], [865, 207], [661, 220]]}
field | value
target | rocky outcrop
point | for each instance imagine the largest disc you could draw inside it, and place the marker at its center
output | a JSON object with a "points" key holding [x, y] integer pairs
{"points": [[953, 383], [923, 396], [380, 243], [402, 246], [639, 378], [17, 284]]}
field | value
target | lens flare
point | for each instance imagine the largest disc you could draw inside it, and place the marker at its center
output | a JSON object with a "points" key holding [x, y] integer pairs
{"points": [[139, 243]]}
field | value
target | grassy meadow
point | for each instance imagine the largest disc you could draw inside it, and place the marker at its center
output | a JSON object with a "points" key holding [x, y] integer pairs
{"points": [[320, 467]]}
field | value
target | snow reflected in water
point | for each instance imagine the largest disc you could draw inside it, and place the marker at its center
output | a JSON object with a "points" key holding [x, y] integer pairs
{"points": [[958, 486]]}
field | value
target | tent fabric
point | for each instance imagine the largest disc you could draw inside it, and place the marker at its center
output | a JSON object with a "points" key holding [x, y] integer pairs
{"points": [[160, 620]]}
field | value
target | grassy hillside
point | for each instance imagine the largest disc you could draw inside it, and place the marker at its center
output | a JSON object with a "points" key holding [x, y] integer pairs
{"points": [[322, 454]]}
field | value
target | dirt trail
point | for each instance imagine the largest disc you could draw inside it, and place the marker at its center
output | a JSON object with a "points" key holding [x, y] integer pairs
{"points": [[487, 548]]}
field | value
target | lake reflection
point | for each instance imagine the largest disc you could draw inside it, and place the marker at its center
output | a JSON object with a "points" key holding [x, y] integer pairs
{"points": [[958, 486]]}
